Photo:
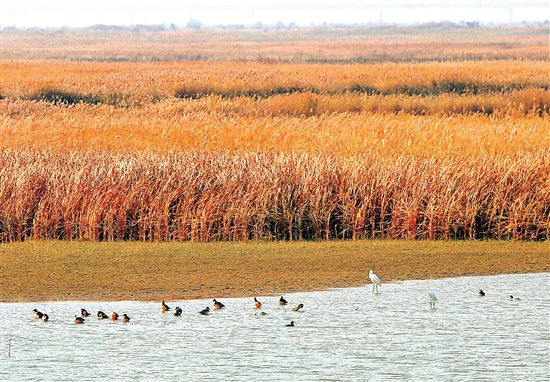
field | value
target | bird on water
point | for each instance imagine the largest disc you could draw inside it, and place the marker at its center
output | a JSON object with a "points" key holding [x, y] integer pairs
{"points": [[375, 281], [431, 296]]}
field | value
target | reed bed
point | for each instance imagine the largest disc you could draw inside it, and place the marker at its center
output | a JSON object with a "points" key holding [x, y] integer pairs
{"points": [[309, 45], [233, 151], [134, 84], [205, 196]]}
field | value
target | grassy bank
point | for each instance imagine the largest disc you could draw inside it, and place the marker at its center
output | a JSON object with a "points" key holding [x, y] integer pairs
{"points": [[55, 270]]}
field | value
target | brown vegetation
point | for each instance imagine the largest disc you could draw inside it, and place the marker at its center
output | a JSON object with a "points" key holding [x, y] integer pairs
{"points": [[328, 45]]}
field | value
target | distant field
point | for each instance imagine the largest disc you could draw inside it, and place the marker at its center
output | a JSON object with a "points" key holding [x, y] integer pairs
{"points": [[322, 45], [91, 271], [275, 148]]}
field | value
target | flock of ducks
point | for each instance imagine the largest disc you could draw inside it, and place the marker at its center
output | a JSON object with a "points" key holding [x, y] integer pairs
{"points": [[376, 283], [164, 308]]}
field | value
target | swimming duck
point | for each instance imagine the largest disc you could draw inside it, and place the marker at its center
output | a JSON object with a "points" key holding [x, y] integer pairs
{"points": [[298, 307], [205, 311], [481, 293], [260, 314], [165, 308], [78, 320], [125, 318], [514, 298], [291, 323], [257, 304], [45, 317], [218, 305], [282, 301], [37, 314], [177, 312], [84, 312], [102, 315], [114, 316]]}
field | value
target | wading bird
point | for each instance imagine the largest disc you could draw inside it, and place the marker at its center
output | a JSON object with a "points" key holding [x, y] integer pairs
{"points": [[375, 281], [431, 296]]}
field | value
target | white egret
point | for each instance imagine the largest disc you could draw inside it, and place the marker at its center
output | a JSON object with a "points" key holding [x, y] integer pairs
{"points": [[432, 296], [375, 281]]}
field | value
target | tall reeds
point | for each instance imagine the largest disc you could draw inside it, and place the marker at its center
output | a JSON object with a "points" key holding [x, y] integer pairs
{"points": [[203, 196]]}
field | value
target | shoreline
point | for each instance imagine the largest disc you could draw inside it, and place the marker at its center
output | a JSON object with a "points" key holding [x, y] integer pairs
{"points": [[39, 271], [246, 295]]}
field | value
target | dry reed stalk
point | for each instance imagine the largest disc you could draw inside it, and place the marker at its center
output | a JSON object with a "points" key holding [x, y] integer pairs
{"points": [[222, 196]]}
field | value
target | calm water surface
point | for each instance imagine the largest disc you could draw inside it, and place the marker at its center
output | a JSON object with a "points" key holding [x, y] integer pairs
{"points": [[341, 335]]}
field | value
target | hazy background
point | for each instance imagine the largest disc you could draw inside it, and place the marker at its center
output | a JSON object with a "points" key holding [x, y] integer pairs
{"points": [[211, 13]]}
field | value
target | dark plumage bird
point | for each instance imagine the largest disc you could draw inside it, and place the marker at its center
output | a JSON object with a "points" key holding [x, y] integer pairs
{"points": [[45, 317], [84, 312], [164, 307], [257, 304], [218, 305], [205, 311], [514, 298], [78, 320], [125, 318], [481, 293], [114, 316], [177, 312], [37, 314], [282, 301], [291, 323], [102, 315], [298, 307]]}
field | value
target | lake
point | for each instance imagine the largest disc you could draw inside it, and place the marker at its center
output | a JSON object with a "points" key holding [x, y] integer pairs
{"points": [[346, 334]]}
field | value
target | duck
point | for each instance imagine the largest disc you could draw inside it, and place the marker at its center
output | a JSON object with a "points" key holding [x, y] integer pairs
{"points": [[84, 312], [177, 312], [282, 301], [114, 316], [260, 314], [257, 304], [102, 315], [481, 293], [218, 305], [205, 311], [45, 317], [78, 320], [298, 307], [125, 318], [514, 298], [37, 314], [290, 324], [164, 307]]}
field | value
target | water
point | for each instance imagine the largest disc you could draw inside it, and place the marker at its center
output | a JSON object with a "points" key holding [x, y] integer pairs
{"points": [[341, 335]]}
